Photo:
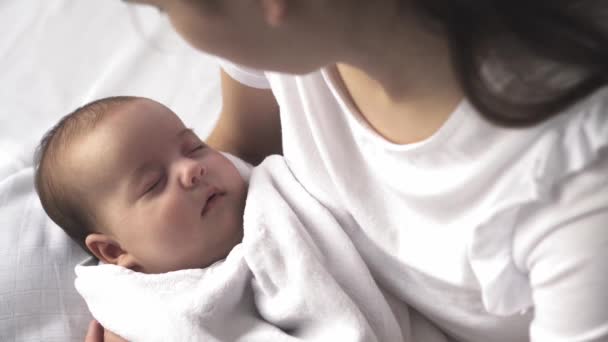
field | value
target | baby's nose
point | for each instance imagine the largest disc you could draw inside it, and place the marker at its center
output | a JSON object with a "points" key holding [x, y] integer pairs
{"points": [[193, 173]]}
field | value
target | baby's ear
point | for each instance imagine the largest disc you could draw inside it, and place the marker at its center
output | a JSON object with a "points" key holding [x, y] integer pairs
{"points": [[104, 248]]}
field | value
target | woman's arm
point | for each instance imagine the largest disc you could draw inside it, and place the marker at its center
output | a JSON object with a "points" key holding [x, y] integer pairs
{"points": [[249, 124], [97, 333]]}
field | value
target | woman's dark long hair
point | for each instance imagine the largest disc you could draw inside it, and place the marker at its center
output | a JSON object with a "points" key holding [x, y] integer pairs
{"points": [[522, 61]]}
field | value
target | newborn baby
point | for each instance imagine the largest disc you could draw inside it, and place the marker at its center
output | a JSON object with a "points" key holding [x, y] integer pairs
{"points": [[194, 252], [131, 184]]}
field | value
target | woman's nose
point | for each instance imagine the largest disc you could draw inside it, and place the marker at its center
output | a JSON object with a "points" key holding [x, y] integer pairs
{"points": [[192, 173]]}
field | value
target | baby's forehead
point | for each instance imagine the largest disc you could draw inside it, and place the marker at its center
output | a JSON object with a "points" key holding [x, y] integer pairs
{"points": [[145, 113], [126, 132], [125, 136]]}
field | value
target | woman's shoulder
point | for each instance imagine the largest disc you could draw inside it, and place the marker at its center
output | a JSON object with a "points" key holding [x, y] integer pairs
{"points": [[571, 170], [575, 140], [556, 186]]}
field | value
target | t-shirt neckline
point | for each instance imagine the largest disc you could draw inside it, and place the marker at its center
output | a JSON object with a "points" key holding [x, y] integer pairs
{"points": [[360, 124]]}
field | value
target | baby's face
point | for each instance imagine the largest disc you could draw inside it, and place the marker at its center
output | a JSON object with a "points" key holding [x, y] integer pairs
{"points": [[169, 201]]}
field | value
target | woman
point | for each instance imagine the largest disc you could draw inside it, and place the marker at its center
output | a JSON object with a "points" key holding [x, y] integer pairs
{"points": [[464, 142]]}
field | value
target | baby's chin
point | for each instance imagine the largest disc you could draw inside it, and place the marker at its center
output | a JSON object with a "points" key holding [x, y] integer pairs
{"points": [[220, 253]]}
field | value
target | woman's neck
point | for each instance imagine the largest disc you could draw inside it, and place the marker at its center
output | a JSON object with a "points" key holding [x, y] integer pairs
{"points": [[404, 58], [399, 75]]}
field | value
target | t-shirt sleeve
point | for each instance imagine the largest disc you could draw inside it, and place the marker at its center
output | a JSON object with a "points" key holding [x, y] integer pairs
{"points": [[569, 282], [247, 76], [567, 264]]}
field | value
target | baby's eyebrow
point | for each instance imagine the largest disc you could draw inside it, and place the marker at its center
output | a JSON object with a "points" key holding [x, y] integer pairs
{"points": [[141, 169], [136, 176]]}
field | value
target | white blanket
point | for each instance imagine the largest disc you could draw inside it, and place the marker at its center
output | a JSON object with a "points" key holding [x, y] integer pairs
{"points": [[57, 55], [295, 276]]}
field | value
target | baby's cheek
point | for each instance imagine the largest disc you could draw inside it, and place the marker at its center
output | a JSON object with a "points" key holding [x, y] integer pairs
{"points": [[158, 223]]}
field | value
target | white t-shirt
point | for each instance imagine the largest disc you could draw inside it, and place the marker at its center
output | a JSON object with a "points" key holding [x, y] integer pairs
{"points": [[495, 234]]}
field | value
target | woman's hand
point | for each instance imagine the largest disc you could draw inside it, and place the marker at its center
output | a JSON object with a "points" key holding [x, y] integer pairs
{"points": [[97, 333]]}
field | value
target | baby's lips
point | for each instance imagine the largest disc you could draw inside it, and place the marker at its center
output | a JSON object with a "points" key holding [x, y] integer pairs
{"points": [[211, 192]]}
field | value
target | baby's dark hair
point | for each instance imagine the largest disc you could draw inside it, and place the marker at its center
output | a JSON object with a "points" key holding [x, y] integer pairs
{"points": [[58, 194]]}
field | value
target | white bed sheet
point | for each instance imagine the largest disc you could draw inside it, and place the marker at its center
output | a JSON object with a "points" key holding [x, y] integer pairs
{"points": [[55, 55]]}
